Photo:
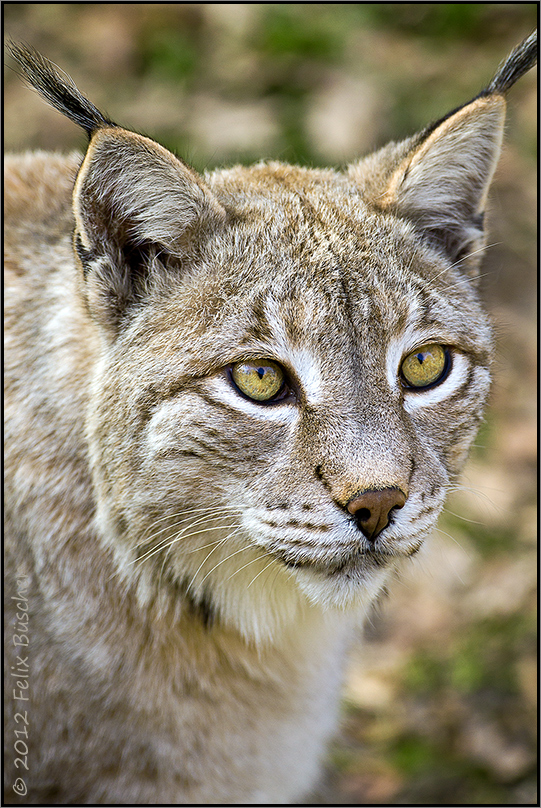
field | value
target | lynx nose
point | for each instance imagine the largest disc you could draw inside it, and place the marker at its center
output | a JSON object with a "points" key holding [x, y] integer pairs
{"points": [[372, 509]]}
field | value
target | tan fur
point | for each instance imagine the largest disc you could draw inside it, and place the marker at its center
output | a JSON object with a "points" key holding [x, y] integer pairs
{"points": [[190, 564]]}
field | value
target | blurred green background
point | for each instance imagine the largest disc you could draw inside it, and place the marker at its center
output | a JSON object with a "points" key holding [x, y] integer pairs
{"points": [[440, 700]]}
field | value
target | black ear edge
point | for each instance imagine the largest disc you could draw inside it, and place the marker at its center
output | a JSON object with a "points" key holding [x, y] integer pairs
{"points": [[85, 256]]}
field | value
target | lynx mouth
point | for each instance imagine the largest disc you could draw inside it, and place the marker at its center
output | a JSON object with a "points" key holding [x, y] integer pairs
{"points": [[356, 561], [353, 562]]}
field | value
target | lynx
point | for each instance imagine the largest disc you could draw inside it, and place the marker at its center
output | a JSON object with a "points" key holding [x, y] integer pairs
{"points": [[235, 403]]}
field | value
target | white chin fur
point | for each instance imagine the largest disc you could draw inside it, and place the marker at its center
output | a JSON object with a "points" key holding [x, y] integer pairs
{"points": [[257, 595], [352, 591], [264, 600], [265, 610]]}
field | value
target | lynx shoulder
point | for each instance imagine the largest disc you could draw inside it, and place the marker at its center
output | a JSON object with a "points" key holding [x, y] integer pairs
{"points": [[234, 405]]}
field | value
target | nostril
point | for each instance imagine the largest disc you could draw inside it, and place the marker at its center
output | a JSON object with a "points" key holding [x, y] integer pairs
{"points": [[372, 509]]}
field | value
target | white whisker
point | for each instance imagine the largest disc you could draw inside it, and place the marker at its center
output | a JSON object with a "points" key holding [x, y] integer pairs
{"points": [[449, 536], [260, 573], [241, 550], [464, 518], [211, 513], [264, 555], [453, 489], [469, 255], [202, 564], [166, 543], [468, 280]]}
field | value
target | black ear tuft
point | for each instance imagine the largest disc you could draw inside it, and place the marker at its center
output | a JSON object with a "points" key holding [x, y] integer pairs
{"points": [[519, 61], [57, 88]]}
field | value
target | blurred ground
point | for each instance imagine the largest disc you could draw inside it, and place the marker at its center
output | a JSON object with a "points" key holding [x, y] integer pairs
{"points": [[440, 702]]}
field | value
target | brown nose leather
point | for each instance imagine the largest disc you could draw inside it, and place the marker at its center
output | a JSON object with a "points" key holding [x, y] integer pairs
{"points": [[372, 509]]}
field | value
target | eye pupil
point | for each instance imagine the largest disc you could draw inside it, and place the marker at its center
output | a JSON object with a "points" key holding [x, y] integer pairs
{"points": [[260, 380], [426, 367]]}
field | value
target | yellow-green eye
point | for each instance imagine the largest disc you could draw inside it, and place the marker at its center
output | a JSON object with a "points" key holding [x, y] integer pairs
{"points": [[259, 379], [425, 366]]}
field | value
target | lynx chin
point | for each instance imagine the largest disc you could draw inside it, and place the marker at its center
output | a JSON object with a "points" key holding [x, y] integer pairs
{"points": [[234, 405]]}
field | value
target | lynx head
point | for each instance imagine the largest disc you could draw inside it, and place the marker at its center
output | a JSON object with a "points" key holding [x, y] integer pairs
{"points": [[293, 363]]}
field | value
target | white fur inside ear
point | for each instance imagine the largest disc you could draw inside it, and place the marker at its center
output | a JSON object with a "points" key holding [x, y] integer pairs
{"points": [[129, 180], [463, 149], [443, 185]]}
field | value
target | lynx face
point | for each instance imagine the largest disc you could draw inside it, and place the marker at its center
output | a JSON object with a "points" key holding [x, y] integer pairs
{"points": [[293, 362], [239, 494], [235, 403]]}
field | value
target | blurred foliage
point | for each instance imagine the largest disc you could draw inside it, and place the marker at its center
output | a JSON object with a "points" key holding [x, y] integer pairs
{"points": [[441, 702], [283, 53], [285, 32], [483, 658], [169, 55], [488, 540], [437, 20]]}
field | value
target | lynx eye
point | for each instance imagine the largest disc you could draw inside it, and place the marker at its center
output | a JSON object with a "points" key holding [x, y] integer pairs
{"points": [[426, 366], [258, 379]]}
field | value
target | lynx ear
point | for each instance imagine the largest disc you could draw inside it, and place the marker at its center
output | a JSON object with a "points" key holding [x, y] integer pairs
{"points": [[441, 184], [137, 211]]}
